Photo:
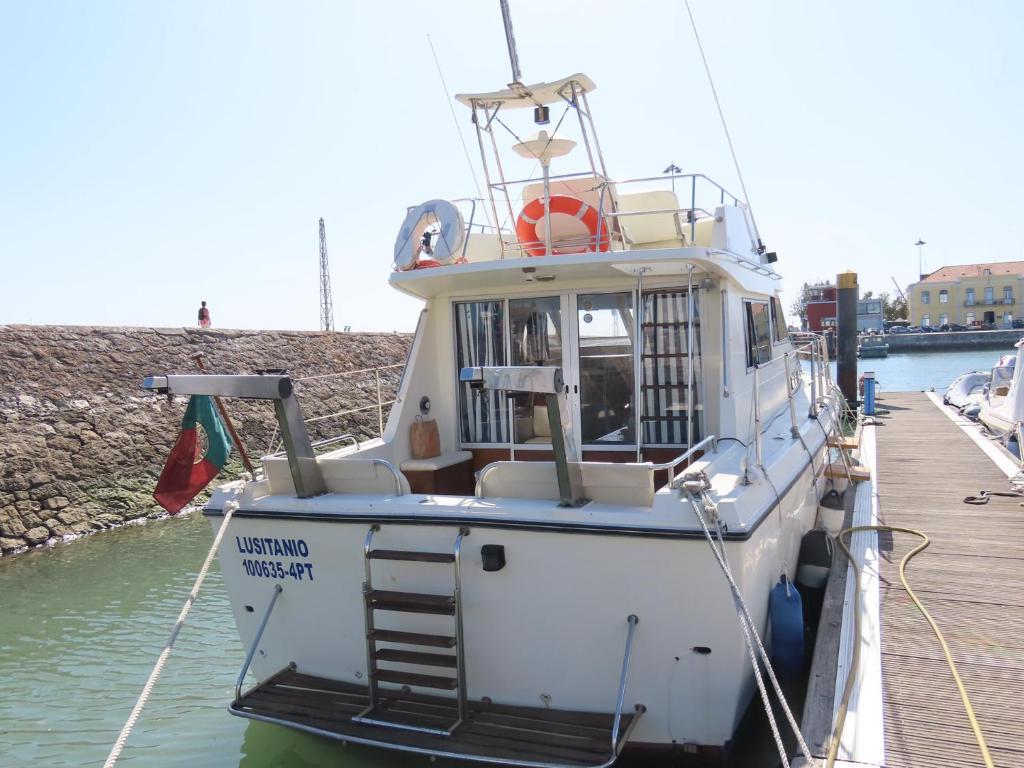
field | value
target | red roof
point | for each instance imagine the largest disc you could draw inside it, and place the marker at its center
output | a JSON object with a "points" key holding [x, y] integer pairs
{"points": [[948, 274]]}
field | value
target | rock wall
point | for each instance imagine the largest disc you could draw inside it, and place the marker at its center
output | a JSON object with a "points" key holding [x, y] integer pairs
{"points": [[81, 445]]}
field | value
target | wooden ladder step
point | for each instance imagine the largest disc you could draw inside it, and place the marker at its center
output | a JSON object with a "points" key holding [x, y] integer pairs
{"points": [[416, 657], [843, 443], [416, 557], [410, 678], [411, 638], [410, 602], [857, 473]]}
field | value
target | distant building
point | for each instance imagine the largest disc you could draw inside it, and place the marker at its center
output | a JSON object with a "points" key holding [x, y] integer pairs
{"points": [[967, 293], [819, 305], [869, 315]]}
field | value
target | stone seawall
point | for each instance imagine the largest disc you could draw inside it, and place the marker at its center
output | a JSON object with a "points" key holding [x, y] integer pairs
{"points": [[926, 342], [81, 445]]}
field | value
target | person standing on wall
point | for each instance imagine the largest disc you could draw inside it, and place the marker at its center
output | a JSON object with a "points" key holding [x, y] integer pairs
{"points": [[204, 316]]}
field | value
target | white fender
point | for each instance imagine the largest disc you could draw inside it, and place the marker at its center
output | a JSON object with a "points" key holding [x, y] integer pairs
{"points": [[446, 247]]}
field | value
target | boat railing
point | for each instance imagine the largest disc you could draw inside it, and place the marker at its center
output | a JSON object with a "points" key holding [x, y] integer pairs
{"points": [[704, 194], [670, 466], [812, 349], [380, 380]]}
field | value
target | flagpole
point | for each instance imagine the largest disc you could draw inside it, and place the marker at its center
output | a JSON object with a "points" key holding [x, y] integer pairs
{"points": [[227, 422]]}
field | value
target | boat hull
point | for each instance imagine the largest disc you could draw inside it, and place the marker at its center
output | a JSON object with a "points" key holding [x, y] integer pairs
{"points": [[549, 628]]}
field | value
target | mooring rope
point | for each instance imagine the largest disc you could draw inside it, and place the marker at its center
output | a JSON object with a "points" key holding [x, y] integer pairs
{"points": [[122, 739]]}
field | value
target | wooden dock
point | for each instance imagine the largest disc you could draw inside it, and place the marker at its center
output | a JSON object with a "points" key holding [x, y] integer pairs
{"points": [[971, 579]]}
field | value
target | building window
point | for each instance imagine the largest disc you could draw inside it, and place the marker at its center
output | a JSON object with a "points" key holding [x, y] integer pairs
{"points": [[943, 319], [926, 321], [759, 335], [970, 301], [926, 297], [1007, 295], [970, 318], [990, 295], [943, 296], [1008, 318]]}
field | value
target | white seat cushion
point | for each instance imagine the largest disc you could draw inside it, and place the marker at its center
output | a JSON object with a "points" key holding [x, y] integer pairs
{"points": [[437, 462]]}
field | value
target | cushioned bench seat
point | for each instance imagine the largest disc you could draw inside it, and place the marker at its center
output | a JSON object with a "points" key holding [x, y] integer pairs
{"points": [[609, 482]]}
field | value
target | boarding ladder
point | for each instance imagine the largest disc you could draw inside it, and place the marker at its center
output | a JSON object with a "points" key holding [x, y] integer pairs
{"points": [[412, 602]]}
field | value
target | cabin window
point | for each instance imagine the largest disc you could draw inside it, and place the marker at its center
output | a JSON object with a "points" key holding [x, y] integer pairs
{"points": [[665, 363], [926, 297], [779, 330], [759, 340], [480, 340], [606, 327], [535, 332]]}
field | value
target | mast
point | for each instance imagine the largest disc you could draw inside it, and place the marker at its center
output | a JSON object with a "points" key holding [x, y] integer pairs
{"points": [[510, 39], [326, 305]]}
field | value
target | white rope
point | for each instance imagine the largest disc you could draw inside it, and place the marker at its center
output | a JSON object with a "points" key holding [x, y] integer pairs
{"points": [[122, 739], [749, 628]]}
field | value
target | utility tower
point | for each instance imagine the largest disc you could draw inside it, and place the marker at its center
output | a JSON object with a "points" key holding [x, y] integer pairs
{"points": [[326, 306]]}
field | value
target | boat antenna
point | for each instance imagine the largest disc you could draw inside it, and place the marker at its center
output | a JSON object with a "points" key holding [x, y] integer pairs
{"points": [[728, 138], [510, 39], [458, 128]]}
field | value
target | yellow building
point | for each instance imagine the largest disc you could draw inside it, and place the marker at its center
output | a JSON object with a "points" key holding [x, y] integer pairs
{"points": [[968, 294]]}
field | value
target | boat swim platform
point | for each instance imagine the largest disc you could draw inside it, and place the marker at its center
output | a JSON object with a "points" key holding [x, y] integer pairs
{"points": [[924, 461], [492, 733]]}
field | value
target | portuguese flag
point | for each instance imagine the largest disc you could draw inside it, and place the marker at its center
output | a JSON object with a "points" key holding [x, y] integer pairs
{"points": [[198, 455]]}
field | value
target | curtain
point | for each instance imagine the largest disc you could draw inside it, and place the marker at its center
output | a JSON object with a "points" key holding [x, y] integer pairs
{"points": [[480, 332], [665, 368]]}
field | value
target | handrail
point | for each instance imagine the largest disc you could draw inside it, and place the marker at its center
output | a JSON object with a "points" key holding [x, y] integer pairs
{"points": [[256, 641], [671, 465], [349, 373], [460, 652], [479, 491], [338, 439], [395, 472], [632, 620]]}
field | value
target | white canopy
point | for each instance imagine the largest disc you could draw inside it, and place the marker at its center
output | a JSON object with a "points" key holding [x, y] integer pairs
{"points": [[525, 96]]}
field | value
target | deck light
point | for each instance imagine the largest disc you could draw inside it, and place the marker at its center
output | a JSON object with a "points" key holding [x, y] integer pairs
{"points": [[541, 116]]}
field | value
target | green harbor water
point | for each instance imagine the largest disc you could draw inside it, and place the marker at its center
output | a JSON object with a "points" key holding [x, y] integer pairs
{"points": [[81, 625]]}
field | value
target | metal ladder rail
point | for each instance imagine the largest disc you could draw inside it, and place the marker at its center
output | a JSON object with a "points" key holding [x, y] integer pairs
{"points": [[372, 634]]}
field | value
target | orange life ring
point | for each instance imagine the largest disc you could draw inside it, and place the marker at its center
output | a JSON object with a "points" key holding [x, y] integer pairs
{"points": [[533, 212]]}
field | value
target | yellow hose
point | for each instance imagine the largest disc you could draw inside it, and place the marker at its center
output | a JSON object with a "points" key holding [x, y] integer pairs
{"points": [[833, 750]]}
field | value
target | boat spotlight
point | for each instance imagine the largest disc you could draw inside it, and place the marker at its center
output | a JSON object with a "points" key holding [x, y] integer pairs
{"points": [[541, 116]]}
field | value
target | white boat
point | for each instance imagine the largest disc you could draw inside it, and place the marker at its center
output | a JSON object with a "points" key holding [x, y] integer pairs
{"points": [[1002, 406], [624, 387], [968, 390]]}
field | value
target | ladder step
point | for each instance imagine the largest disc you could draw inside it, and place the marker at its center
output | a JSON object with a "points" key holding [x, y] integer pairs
{"points": [[847, 443], [410, 602], [411, 638], [410, 678], [417, 557], [415, 657]]}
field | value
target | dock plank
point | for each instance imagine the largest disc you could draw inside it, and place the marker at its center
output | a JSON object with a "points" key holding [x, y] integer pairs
{"points": [[971, 579]]}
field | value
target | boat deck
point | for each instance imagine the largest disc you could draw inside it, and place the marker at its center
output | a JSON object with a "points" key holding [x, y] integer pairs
{"points": [[971, 579], [493, 733]]}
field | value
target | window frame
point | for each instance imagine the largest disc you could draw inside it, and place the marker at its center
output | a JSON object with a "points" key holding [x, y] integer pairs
{"points": [[943, 296], [751, 342]]}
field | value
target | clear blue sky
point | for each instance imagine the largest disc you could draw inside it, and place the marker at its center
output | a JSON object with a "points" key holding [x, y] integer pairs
{"points": [[155, 154]]}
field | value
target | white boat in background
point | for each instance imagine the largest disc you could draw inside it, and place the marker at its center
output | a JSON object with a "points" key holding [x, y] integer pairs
{"points": [[1002, 405], [616, 371], [967, 391]]}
